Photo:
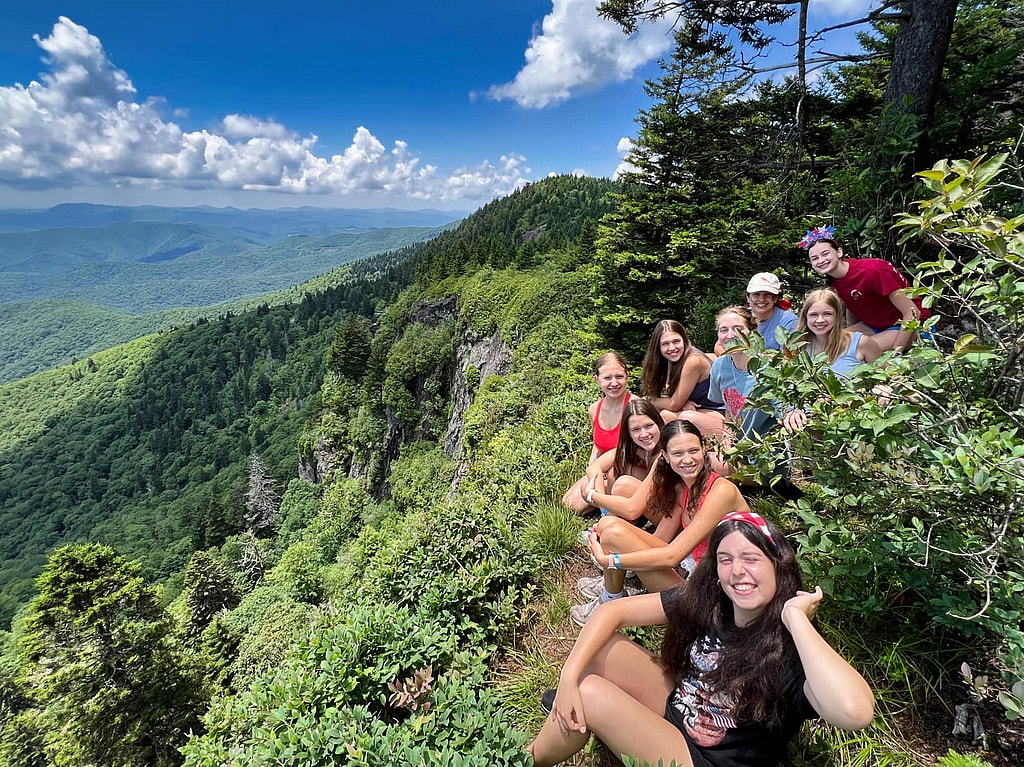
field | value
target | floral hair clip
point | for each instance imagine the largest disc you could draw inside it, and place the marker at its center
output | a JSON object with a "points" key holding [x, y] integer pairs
{"points": [[815, 234], [754, 519]]}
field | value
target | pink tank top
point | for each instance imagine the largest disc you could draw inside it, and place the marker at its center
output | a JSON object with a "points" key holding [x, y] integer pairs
{"points": [[607, 439], [702, 547]]}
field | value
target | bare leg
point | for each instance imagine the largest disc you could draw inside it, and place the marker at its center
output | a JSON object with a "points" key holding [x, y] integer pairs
{"points": [[620, 536], [574, 499], [624, 694]]}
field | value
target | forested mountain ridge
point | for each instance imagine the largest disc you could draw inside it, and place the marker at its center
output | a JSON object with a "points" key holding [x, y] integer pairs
{"points": [[144, 439], [142, 446], [151, 425], [123, 280]]}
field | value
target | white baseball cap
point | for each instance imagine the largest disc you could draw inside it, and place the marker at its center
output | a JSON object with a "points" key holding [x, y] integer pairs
{"points": [[765, 281]]}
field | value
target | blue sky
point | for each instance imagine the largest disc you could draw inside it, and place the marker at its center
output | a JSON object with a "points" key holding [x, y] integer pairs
{"points": [[259, 104]]}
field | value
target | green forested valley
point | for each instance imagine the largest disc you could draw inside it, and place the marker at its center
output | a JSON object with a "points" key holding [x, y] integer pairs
{"points": [[68, 292], [327, 530]]}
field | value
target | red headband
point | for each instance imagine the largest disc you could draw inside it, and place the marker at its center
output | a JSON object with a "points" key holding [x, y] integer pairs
{"points": [[751, 518]]}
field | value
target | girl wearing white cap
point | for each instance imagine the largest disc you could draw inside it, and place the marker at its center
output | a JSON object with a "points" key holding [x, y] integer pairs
{"points": [[764, 292]]}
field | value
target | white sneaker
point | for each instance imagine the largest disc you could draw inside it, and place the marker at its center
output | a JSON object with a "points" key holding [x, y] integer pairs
{"points": [[591, 587], [580, 614]]}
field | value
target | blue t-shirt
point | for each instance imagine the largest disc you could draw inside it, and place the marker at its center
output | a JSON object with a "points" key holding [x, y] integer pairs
{"points": [[780, 318], [732, 386]]}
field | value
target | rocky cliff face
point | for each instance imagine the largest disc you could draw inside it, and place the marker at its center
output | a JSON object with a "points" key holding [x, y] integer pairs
{"points": [[475, 359]]}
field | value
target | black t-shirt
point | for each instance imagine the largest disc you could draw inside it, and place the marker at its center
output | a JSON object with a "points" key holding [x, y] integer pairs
{"points": [[704, 716]]}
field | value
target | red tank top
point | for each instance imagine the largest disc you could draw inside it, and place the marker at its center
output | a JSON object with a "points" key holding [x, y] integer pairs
{"points": [[607, 439], [702, 547]]}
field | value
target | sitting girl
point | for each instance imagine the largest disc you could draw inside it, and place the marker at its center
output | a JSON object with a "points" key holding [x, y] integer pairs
{"points": [[731, 380], [741, 665], [870, 288], [675, 377], [683, 496], [770, 311], [624, 469], [606, 414], [844, 350]]}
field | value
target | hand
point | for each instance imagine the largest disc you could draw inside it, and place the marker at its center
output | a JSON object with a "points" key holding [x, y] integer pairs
{"points": [[884, 393], [567, 710], [794, 421], [805, 601], [596, 549]]}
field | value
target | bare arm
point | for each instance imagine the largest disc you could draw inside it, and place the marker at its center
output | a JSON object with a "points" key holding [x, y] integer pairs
{"points": [[868, 349], [908, 309], [643, 610], [720, 500], [592, 412], [600, 465], [631, 507], [836, 690], [695, 369]]}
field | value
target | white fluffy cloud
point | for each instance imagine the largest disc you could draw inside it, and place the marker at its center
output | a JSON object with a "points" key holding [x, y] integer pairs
{"points": [[81, 124], [577, 51], [623, 149]]}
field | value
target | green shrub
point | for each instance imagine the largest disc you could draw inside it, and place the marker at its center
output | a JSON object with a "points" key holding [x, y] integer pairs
{"points": [[343, 713], [421, 477], [551, 532]]}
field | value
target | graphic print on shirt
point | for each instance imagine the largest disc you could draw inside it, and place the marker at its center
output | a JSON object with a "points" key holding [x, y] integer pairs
{"points": [[706, 715], [734, 401]]}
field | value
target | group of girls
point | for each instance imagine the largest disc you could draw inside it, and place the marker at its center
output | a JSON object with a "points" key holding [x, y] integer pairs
{"points": [[741, 664]]}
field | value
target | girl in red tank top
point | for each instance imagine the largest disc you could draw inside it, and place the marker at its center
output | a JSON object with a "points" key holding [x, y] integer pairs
{"points": [[683, 496], [612, 376]]}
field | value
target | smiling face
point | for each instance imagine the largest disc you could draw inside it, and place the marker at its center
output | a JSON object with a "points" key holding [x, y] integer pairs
{"points": [[825, 257], [685, 455], [612, 380], [762, 304], [731, 328], [644, 432], [672, 345], [747, 576], [821, 318]]}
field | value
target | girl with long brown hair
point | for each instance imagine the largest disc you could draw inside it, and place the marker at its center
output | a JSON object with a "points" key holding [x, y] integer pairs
{"points": [[683, 497], [741, 665], [675, 377]]}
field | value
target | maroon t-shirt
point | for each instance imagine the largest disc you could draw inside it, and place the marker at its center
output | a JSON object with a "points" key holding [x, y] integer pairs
{"points": [[865, 290]]}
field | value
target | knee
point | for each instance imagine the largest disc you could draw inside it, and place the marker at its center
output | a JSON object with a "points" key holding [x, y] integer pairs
{"points": [[611, 531], [592, 689], [625, 486]]}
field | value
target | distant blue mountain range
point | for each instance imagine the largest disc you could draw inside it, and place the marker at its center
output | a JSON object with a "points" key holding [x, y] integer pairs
{"points": [[125, 268], [261, 225]]}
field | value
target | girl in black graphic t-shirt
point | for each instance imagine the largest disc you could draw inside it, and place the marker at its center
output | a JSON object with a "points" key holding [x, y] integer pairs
{"points": [[741, 665]]}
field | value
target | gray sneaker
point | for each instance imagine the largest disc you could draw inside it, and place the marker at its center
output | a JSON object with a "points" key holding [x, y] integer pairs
{"points": [[580, 614], [591, 587]]}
